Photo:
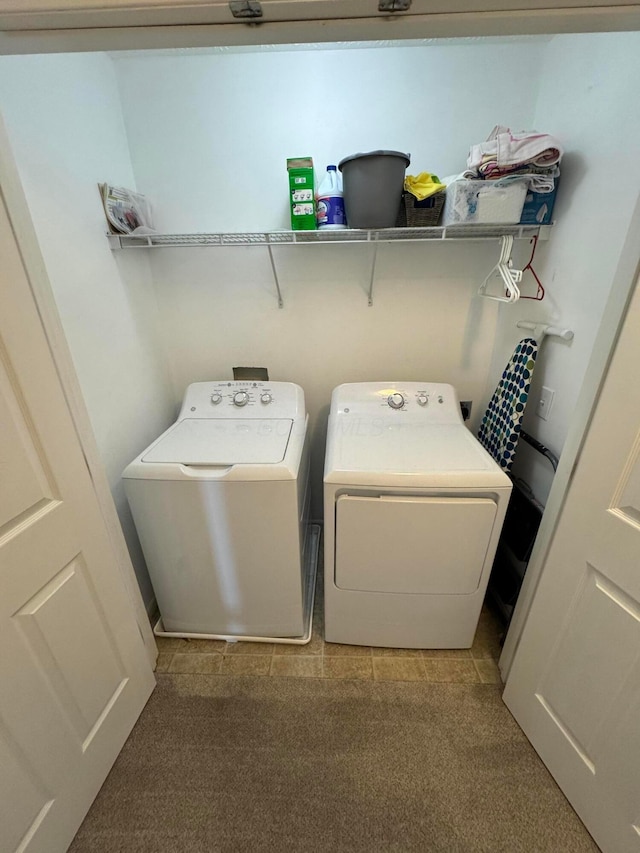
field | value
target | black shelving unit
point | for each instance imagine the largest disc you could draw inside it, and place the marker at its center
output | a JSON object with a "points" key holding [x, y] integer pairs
{"points": [[514, 549]]}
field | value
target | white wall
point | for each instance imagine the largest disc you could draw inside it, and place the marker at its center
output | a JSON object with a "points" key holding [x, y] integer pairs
{"points": [[65, 123], [209, 135], [221, 312], [211, 149], [211, 153], [589, 99]]}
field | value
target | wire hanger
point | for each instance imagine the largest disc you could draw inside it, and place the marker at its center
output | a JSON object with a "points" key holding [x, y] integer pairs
{"points": [[540, 291], [510, 277]]}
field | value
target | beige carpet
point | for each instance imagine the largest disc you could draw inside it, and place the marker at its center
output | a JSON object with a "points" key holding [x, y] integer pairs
{"points": [[281, 764]]}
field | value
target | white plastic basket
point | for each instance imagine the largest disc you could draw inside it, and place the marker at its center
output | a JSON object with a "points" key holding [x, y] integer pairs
{"points": [[485, 202]]}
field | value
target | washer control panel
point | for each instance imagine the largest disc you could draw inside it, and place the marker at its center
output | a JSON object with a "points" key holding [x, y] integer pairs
{"points": [[428, 402], [402, 399], [245, 398]]}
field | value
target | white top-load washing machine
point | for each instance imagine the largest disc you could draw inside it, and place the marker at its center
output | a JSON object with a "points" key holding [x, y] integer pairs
{"points": [[413, 509], [220, 502]]}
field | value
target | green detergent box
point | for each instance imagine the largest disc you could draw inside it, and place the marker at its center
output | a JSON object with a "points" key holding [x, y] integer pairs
{"points": [[302, 203]]}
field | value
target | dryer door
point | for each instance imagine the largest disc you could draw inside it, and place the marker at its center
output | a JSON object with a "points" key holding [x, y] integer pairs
{"points": [[429, 545]]}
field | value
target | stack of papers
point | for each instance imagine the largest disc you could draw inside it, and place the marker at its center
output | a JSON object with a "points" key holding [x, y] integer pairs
{"points": [[127, 212]]}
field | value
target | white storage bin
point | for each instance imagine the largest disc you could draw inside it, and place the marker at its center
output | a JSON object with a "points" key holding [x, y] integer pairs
{"points": [[486, 202]]}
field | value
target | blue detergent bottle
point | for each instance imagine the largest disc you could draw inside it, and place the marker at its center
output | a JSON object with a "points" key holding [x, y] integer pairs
{"points": [[330, 202]]}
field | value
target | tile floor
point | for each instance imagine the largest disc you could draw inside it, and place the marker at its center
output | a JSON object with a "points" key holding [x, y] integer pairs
{"points": [[319, 659]]}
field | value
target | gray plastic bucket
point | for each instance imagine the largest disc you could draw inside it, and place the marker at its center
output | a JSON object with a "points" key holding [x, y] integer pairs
{"points": [[372, 185]]}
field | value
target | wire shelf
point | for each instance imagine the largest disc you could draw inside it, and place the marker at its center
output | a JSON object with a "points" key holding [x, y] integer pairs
{"points": [[348, 235], [373, 237]]}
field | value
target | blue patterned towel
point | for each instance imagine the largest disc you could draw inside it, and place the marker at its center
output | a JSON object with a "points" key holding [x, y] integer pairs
{"points": [[500, 428]]}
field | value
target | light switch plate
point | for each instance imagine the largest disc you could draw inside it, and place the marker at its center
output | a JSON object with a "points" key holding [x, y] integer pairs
{"points": [[545, 402]]}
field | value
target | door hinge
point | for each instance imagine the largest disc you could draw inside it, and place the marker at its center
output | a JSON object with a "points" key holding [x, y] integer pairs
{"points": [[394, 5], [245, 8]]}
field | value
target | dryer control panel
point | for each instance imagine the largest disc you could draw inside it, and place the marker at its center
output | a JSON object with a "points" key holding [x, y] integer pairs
{"points": [[243, 398], [427, 402]]}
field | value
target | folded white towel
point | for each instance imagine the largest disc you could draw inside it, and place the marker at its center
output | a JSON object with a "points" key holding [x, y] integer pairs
{"points": [[544, 182], [512, 149]]}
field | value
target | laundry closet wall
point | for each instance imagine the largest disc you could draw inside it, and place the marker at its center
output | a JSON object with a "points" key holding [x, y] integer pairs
{"points": [[65, 125], [206, 135], [589, 98], [211, 152]]}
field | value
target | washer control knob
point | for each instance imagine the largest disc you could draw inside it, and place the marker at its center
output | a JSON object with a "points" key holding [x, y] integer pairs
{"points": [[216, 397], [265, 398], [396, 401], [240, 398], [422, 399]]}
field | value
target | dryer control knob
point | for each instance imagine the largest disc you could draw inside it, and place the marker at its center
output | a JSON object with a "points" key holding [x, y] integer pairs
{"points": [[422, 399], [216, 397], [266, 398], [240, 398], [396, 401]]}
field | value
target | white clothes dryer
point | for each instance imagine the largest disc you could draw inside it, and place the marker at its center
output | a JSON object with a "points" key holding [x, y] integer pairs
{"points": [[221, 502], [413, 510]]}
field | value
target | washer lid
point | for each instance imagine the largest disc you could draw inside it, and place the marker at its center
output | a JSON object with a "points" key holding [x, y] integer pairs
{"points": [[223, 442], [409, 453]]}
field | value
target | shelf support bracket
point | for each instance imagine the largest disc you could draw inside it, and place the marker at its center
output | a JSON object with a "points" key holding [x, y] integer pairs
{"points": [[275, 277], [373, 273]]}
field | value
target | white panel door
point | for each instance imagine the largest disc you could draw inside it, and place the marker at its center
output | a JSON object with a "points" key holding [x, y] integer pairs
{"points": [[74, 674], [574, 686]]}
